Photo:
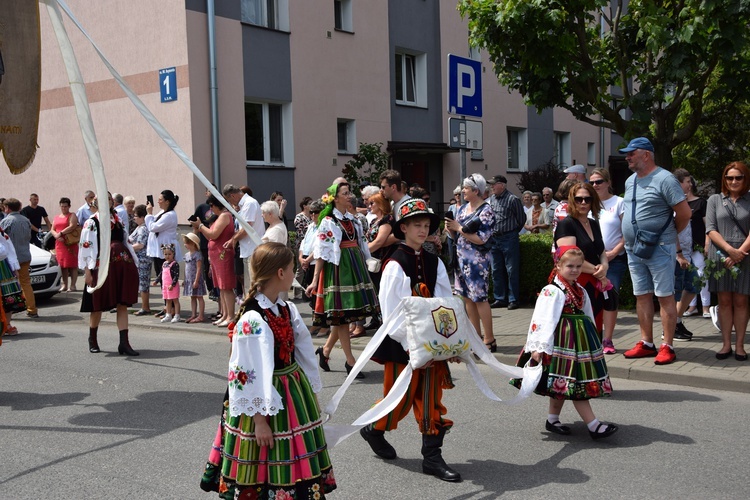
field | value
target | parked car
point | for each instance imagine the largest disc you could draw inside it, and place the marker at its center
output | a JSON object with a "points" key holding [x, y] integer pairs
{"points": [[45, 273]]}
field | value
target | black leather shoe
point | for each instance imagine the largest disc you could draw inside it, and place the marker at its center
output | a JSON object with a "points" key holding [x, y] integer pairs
{"points": [[441, 471], [376, 440], [563, 430], [740, 357], [611, 429], [512, 306], [322, 360], [349, 367], [498, 304], [723, 355]]}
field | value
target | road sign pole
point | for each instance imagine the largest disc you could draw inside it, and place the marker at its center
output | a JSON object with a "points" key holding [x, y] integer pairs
{"points": [[462, 165]]}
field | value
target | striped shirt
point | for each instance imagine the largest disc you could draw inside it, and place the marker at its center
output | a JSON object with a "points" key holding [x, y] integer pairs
{"points": [[509, 214]]}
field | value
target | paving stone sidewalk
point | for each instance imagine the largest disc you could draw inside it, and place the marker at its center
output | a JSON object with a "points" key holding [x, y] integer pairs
{"points": [[696, 365]]}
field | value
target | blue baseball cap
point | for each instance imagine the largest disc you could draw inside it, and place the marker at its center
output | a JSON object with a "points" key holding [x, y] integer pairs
{"points": [[638, 143]]}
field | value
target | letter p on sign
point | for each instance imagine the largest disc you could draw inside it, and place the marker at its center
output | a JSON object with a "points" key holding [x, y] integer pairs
{"points": [[464, 86]]}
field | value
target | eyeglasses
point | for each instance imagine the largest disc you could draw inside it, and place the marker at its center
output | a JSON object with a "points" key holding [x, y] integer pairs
{"points": [[583, 199], [731, 178], [547, 194], [597, 182]]}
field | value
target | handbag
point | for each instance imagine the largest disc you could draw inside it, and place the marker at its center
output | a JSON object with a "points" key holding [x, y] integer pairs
{"points": [[645, 241], [73, 237], [472, 226], [373, 264]]}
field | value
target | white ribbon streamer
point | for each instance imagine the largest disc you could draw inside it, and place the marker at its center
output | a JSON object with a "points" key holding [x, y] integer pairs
{"points": [[78, 88], [151, 119]]}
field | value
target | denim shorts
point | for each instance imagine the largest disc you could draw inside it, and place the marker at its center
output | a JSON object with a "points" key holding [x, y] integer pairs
{"points": [[617, 267], [654, 275], [683, 280]]}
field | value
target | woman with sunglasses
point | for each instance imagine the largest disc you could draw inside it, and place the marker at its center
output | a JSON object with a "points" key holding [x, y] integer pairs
{"points": [[581, 228], [728, 226], [610, 222]]}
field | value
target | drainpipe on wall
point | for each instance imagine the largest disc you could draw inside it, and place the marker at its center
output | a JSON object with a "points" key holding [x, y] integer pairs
{"points": [[211, 17]]}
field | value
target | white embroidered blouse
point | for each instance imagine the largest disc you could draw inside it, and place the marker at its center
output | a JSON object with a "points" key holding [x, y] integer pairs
{"points": [[327, 245], [251, 364], [547, 313], [88, 246]]}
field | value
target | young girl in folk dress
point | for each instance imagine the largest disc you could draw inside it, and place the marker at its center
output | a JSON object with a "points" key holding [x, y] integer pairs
{"points": [[170, 285], [194, 286], [270, 443], [562, 336]]}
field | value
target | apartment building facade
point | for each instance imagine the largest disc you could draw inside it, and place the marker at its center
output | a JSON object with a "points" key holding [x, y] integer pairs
{"points": [[299, 84]]}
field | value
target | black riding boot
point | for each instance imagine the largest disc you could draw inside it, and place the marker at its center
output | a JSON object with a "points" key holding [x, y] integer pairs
{"points": [[433, 462], [376, 440], [93, 345], [124, 347]]}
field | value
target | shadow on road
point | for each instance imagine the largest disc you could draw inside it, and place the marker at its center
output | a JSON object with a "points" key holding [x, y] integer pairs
{"points": [[24, 401], [661, 396]]}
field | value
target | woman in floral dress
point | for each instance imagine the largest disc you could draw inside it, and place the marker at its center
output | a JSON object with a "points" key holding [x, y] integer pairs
{"points": [[471, 230]]}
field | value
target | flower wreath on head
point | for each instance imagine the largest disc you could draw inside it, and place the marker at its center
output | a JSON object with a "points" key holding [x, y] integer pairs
{"points": [[327, 199]]}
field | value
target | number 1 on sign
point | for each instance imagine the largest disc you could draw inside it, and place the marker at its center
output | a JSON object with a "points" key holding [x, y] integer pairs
{"points": [[166, 84]]}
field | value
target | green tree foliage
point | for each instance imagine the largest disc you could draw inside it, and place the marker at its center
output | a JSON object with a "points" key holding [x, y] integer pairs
{"points": [[366, 166], [598, 58]]}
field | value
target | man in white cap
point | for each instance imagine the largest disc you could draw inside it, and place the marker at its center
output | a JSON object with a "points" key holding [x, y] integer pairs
{"points": [[652, 195], [577, 172]]}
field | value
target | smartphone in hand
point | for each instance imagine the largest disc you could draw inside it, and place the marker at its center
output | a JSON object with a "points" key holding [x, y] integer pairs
{"points": [[192, 218], [150, 199]]}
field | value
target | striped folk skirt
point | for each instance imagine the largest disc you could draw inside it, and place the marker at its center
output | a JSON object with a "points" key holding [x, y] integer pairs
{"points": [[345, 292], [297, 467], [576, 369], [13, 300]]}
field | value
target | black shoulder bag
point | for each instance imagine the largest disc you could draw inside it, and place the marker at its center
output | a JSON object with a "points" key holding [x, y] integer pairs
{"points": [[645, 241]]}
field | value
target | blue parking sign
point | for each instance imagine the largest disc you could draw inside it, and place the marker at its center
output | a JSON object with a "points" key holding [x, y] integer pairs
{"points": [[464, 86], [168, 84]]}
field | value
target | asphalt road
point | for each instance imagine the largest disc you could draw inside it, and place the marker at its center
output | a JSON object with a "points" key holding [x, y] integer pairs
{"points": [[89, 426]]}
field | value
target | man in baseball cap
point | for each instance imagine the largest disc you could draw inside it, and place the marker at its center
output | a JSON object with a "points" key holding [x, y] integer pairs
{"points": [[496, 179], [577, 172], [638, 143]]}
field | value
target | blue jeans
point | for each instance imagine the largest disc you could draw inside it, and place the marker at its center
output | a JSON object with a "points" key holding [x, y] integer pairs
{"points": [[506, 267]]}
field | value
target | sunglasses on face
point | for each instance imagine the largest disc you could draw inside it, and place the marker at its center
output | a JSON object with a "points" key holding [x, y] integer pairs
{"points": [[597, 182], [583, 199], [731, 178]]}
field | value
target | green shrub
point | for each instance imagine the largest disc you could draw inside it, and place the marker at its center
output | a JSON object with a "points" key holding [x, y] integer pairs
{"points": [[536, 264]]}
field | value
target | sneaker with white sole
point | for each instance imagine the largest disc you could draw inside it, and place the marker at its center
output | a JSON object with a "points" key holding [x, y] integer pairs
{"points": [[166, 319], [608, 347], [176, 319]]}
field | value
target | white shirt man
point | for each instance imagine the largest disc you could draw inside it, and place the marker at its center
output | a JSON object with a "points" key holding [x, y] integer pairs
{"points": [[249, 211]]}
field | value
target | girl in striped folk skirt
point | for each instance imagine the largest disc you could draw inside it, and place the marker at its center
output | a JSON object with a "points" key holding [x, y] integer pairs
{"points": [[270, 443]]}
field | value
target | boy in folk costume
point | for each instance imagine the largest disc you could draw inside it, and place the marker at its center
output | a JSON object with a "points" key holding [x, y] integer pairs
{"points": [[411, 271]]}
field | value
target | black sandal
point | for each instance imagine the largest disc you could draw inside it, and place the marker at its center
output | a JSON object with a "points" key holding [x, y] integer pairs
{"points": [[492, 346], [611, 429]]}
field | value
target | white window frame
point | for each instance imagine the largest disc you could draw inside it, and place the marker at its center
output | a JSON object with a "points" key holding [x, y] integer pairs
{"points": [[350, 129], [342, 12], [420, 77], [258, 13], [284, 136], [521, 144], [591, 154], [563, 153]]}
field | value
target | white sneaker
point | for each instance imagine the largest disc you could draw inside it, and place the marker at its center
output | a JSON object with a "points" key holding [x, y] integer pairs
{"points": [[714, 312], [166, 319], [176, 319]]}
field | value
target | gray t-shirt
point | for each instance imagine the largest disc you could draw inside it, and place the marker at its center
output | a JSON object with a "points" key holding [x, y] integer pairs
{"points": [[657, 193]]}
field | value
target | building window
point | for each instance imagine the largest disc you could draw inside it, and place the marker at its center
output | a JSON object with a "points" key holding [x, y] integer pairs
{"points": [[273, 14], [562, 149], [346, 136], [264, 133], [411, 79], [517, 144], [591, 153], [342, 12]]}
